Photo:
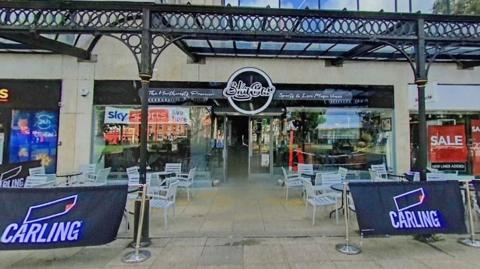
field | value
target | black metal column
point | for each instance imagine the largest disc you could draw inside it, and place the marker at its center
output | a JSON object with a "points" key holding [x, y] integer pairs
{"points": [[145, 76], [421, 81]]}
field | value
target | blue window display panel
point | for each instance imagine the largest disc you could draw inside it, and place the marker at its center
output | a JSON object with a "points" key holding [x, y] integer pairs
{"points": [[34, 136]]}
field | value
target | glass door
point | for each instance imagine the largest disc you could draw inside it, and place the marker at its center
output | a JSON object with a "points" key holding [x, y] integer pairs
{"points": [[261, 153]]}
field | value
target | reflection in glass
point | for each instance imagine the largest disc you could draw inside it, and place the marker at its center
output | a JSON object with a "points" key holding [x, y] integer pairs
{"points": [[233, 3], [335, 137], [175, 134], [257, 3], [299, 4], [403, 6], [377, 5], [335, 4], [424, 6]]}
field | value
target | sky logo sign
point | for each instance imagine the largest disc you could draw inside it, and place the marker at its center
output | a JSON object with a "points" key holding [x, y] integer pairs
{"points": [[407, 218], [37, 226]]}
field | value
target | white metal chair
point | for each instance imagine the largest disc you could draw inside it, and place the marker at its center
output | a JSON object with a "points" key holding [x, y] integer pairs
{"points": [[305, 169], [36, 181], [374, 176], [165, 201], [101, 176], [173, 168], [185, 180], [40, 171], [316, 200], [438, 176], [343, 173], [326, 187], [133, 180], [291, 181], [380, 169], [36, 171], [88, 171]]}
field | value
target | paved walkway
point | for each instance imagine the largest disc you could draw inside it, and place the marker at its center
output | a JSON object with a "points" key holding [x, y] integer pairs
{"points": [[236, 252], [249, 224], [241, 207]]}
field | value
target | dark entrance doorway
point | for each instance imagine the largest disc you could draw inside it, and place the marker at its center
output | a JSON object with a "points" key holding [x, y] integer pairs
{"points": [[238, 148]]}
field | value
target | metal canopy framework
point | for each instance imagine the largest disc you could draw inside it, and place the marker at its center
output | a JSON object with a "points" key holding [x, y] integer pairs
{"points": [[73, 28], [225, 31]]}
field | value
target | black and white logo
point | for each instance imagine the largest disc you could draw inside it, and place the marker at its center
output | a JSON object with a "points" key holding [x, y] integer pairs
{"points": [[249, 90]]}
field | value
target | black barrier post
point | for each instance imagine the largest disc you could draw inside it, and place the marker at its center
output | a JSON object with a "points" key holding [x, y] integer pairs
{"points": [[347, 248], [471, 241], [138, 255]]}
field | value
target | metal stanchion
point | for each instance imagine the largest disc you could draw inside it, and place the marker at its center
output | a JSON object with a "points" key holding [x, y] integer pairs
{"points": [[347, 248], [471, 241], [138, 255]]}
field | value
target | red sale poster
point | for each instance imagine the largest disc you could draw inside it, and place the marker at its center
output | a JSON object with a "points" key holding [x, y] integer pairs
{"points": [[475, 147], [447, 144]]}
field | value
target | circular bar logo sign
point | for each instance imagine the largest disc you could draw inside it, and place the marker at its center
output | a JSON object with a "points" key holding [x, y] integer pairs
{"points": [[249, 90]]}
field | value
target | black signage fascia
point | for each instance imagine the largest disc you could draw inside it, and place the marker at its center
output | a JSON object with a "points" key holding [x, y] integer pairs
{"points": [[177, 93], [32, 94]]}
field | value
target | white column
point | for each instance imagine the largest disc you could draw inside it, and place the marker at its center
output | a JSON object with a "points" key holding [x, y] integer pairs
{"points": [[75, 114]]}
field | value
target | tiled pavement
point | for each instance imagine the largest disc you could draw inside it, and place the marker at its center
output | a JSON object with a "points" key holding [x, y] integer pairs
{"points": [[250, 225]]}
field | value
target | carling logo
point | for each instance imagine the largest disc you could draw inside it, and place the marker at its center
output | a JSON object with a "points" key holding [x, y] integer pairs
{"points": [[249, 86], [37, 226], [405, 217], [8, 179]]}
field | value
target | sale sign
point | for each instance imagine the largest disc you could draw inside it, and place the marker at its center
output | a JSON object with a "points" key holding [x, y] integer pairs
{"points": [[447, 144], [475, 125]]}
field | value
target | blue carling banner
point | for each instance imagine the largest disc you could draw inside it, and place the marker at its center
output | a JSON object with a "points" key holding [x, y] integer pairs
{"points": [[39, 218], [402, 208]]}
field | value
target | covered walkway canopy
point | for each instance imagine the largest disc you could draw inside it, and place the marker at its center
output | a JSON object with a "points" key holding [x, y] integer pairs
{"points": [[73, 28]]}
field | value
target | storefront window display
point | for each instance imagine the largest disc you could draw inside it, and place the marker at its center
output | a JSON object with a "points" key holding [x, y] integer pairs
{"points": [[454, 142], [334, 137], [33, 136], [175, 134]]}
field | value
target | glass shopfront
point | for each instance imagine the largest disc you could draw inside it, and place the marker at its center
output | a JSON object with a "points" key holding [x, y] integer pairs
{"points": [[454, 141], [354, 138], [326, 125], [453, 125], [29, 121], [175, 135]]}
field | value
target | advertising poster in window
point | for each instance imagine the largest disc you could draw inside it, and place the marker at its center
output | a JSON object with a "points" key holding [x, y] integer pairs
{"points": [[34, 136], [475, 147], [447, 147]]}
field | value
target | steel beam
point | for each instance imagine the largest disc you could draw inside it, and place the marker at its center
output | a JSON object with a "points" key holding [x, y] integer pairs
{"points": [[40, 42]]}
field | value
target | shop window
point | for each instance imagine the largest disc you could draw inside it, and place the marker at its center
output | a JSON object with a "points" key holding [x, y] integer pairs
{"points": [[334, 137], [34, 136], [175, 134], [454, 142], [424, 6], [339, 5], [377, 5], [299, 4]]}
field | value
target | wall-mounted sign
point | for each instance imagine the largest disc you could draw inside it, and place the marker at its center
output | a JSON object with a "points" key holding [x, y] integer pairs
{"points": [[448, 146], [4, 95], [156, 115], [249, 90]]}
